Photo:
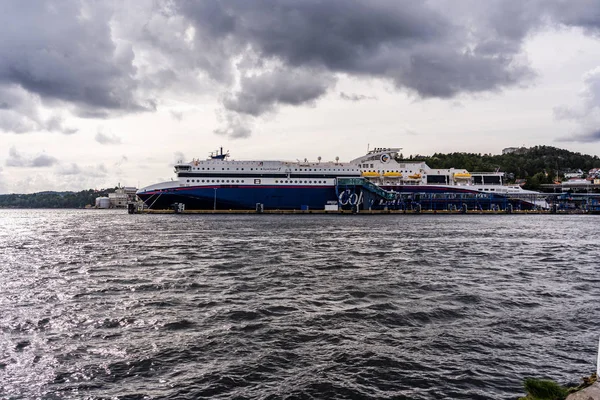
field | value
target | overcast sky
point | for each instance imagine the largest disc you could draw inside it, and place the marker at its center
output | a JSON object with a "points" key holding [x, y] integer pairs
{"points": [[93, 94]]}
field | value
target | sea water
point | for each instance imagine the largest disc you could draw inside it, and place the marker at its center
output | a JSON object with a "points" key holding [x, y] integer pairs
{"points": [[102, 304]]}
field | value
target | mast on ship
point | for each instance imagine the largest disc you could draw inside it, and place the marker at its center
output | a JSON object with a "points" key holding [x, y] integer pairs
{"points": [[218, 154]]}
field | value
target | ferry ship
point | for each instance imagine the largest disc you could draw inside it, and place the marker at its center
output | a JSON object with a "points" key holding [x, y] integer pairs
{"points": [[376, 180], [381, 167], [222, 183]]}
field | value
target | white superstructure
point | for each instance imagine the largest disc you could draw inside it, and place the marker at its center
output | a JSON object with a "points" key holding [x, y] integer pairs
{"points": [[381, 167]]}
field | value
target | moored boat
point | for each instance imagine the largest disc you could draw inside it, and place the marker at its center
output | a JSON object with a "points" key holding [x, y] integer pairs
{"points": [[376, 180]]}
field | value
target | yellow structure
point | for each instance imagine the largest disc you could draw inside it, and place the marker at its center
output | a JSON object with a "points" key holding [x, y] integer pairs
{"points": [[370, 174], [462, 175]]}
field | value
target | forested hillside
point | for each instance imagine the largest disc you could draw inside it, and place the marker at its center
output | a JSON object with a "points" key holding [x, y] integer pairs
{"points": [[540, 164], [543, 162], [52, 199]]}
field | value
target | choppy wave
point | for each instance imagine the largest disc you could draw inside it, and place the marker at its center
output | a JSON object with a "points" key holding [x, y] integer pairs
{"points": [[101, 304]]}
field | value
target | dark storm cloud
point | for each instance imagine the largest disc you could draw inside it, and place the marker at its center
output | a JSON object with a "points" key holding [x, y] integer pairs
{"points": [[100, 59], [581, 13], [16, 159], [64, 51], [414, 44], [336, 34], [430, 49], [262, 93], [62, 55]]}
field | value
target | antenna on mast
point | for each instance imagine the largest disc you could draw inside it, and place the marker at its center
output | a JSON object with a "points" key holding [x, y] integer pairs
{"points": [[368, 147]]}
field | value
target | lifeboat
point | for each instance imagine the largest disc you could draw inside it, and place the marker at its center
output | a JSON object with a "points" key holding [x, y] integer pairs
{"points": [[392, 174], [462, 175], [370, 174], [415, 176]]}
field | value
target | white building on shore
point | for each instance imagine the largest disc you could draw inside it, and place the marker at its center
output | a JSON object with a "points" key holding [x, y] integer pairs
{"points": [[118, 199]]}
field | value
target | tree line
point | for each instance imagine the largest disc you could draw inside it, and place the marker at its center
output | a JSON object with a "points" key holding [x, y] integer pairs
{"points": [[538, 165], [53, 199]]}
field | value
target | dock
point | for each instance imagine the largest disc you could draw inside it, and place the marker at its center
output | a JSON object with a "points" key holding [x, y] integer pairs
{"points": [[363, 212], [360, 196]]}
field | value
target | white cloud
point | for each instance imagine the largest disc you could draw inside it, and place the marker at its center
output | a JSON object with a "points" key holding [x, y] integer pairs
{"points": [[16, 159], [586, 114], [107, 138]]}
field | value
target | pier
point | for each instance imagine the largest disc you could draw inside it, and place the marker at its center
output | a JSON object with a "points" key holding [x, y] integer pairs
{"points": [[360, 196], [369, 202], [363, 212]]}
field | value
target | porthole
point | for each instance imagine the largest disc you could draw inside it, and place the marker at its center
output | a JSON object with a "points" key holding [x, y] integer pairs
{"points": [[188, 180]]}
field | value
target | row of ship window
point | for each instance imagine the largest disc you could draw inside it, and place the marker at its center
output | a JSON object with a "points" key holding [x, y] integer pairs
{"points": [[242, 181], [276, 181], [295, 169], [215, 181], [387, 170]]}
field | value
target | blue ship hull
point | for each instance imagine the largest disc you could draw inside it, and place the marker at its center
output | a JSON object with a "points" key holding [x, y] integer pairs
{"points": [[296, 197], [233, 197]]}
